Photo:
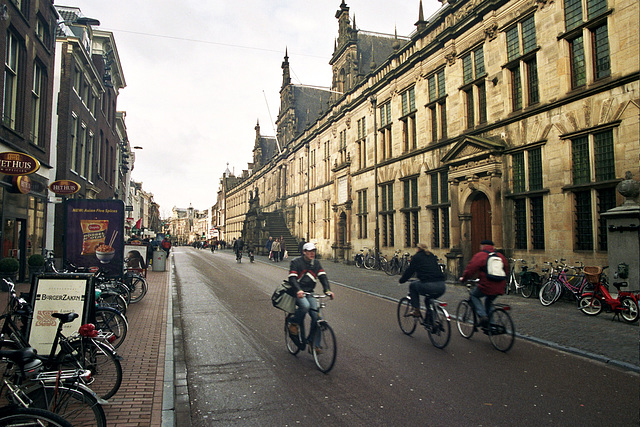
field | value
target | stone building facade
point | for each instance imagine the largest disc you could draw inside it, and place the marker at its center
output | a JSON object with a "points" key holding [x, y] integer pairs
{"points": [[511, 120]]}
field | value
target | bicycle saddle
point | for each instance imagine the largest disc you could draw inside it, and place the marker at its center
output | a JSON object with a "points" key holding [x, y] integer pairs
{"points": [[66, 317], [19, 357]]}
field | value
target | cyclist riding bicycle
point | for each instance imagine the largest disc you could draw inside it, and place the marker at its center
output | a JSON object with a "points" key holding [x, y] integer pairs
{"points": [[430, 281], [487, 288], [304, 273], [238, 245]]}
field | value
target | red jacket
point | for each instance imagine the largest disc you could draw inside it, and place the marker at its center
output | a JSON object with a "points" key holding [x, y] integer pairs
{"points": [[477, 267]]}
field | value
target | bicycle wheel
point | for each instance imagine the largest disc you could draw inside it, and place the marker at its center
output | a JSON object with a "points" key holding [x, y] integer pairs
{"points": [[14, 416], [292, 346], [406, 321], [590, 305], [630, 313], [77, 405], [527, 286], [138, 288], [325, 354], [440, 329], [369, 261], [113, 300], [383, 264], [359, 261], [111, 320], [466, 319], [501, 331], [549, 292], [105, 367]]}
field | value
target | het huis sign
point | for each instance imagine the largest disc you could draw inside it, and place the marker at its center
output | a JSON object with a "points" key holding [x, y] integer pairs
{"points": [[13, 163]]}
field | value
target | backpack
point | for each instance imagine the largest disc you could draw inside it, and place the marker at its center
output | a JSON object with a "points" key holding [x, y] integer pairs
{"points": [[495, 268]]}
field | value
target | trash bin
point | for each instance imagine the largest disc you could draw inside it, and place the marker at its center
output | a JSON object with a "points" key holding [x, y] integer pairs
{"points": [[159, 260]]}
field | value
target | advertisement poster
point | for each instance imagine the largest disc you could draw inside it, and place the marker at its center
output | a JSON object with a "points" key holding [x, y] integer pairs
{"points": [[136, 255], [94, 234], [62, 293]]}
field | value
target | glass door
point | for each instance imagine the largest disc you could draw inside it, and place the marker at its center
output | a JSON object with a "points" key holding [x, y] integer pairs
{"points": [[14, 242]]}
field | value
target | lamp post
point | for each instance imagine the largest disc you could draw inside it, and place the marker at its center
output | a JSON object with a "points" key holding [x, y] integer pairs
{"points": [[374, 103]]}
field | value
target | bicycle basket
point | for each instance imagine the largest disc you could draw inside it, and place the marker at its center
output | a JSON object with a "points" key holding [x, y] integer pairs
{"points": [[592, 274]]}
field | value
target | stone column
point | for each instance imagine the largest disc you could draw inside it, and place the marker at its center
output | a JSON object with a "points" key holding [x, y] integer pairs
{"points": [[623, 236]]}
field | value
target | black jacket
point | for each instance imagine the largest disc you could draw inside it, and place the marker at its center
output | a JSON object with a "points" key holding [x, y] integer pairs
{"points": [[303, 275], [425, 266]]}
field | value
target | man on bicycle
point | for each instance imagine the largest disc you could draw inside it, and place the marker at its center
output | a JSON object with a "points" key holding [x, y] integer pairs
{"points": [[304, 273], [430, 281], [490, 289], [238, 245]]}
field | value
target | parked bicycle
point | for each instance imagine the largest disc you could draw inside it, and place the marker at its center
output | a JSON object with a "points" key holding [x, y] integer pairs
{"points": [[524, 282], [358, 259], [561, 281], [15, 416], [75, 351], [434, 317], [499, 328], [25, 384], [324, 348], [592, 303]]}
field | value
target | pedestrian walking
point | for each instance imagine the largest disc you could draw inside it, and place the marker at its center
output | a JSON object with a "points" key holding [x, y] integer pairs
{"points": [[283, 248], [268, 246], [275, 250]]}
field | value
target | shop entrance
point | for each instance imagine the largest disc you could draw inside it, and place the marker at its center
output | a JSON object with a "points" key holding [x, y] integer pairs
{"points": [[14, 242]]}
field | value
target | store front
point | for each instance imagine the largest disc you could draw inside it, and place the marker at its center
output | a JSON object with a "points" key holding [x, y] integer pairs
{"points": [[23, 224]]}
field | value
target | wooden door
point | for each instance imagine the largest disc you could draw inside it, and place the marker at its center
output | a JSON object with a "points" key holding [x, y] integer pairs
{"points": [[480, 221]]}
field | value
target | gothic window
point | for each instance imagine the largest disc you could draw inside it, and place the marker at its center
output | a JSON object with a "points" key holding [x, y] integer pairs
{"points": [[593, 171], [474, 88], [408, 120], [387, 214], [439, 209], [522, 63], [385, 131], [362, 143], [587, 36]]}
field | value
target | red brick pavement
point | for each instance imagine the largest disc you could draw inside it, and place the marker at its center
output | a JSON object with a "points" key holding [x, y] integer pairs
{"points": [[139, 401]]}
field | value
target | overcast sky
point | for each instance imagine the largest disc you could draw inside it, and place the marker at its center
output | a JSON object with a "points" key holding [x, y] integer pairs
{"points": [[201, 73]]}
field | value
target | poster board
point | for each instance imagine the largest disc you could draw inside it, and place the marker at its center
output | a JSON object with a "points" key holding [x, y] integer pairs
{"points": [[59, 293], [94, 234], [137, 256]]}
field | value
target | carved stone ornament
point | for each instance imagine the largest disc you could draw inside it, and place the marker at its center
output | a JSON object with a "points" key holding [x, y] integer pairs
{"points": [[491, 32], [451, 57], [630, 189]]}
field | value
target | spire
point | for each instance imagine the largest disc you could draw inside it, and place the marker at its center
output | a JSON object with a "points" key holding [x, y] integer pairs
{"points": [[396, 42], [286, 75], [373, 64], [354, 22], [421, 24]]}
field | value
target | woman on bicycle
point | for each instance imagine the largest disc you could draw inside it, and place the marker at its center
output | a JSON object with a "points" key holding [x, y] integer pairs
{"points": [[304, 273], [490, 289], [430, 281]]}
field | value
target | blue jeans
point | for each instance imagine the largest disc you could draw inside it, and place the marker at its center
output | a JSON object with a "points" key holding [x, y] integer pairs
{"points": [[431, 290], [307, 304], [482, 310]]}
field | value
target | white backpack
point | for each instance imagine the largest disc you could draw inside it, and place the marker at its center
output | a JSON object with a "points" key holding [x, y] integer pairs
{"points": [[495, 268]]}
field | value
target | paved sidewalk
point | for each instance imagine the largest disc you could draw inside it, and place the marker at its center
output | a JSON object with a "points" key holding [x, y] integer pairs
{"points": [[139, 402]]}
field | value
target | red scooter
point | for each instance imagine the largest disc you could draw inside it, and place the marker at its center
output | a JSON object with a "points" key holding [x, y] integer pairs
{"points": [[593, 302]]}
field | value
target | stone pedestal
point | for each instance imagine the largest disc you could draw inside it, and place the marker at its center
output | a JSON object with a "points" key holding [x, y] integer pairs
{"points": [[623, 236]]}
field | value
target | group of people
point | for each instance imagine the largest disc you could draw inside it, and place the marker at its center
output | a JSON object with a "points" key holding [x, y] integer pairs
{"points": [[305, 271], [276, 248], [430, 283]]}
